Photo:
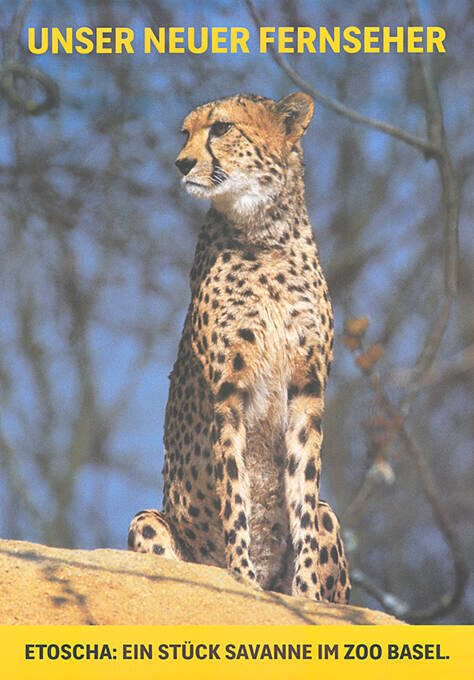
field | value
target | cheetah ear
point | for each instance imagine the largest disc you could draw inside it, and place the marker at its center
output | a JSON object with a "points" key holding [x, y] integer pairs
{"points": [[296, 110]]}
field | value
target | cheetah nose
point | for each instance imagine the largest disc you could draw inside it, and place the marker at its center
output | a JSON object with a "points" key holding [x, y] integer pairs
{"points": [[185, 165]]}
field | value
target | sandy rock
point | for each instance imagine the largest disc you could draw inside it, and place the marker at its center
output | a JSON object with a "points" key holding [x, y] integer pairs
{"points": [[42, 585]]}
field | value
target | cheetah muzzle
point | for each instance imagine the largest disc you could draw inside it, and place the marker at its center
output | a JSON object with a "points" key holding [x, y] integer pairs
{"points": [[243, 421]]}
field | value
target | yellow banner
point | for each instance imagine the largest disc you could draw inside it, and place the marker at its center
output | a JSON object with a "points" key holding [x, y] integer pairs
{"points": [[265, 652]]}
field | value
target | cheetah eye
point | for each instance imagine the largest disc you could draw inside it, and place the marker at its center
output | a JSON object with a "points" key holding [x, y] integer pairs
{"points": [[219, 128], [186, 133]]}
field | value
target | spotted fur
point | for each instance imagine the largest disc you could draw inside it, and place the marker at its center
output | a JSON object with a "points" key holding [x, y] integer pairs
{"points": [[243, 427]]}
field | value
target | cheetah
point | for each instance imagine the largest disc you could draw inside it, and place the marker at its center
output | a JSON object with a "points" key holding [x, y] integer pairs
{"points": [[243, 420]]}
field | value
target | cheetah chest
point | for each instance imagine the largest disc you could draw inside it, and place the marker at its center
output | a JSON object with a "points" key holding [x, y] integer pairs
{"points": [[279, 355], [285, 330]]}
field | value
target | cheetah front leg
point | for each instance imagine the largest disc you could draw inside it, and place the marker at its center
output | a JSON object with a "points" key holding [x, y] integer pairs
{"points": [[232, 487], [333, 563], [303, 443]]}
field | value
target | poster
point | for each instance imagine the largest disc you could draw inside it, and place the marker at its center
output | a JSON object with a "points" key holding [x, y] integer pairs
{"points": [[98, 236]]}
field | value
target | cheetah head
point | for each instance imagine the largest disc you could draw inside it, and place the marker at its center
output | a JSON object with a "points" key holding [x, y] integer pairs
{"points": [[240, 150]]}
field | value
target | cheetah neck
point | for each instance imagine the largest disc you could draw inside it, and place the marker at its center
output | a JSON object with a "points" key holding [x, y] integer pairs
{"points": [[267, 217]]}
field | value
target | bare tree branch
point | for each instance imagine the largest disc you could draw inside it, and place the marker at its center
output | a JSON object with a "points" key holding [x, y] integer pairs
{"points": [[442, 517], [462, 362], [391, 603], [8, 456], [15, 29], [424, 145], [450, 204], [12, 70], [449, 601]]}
